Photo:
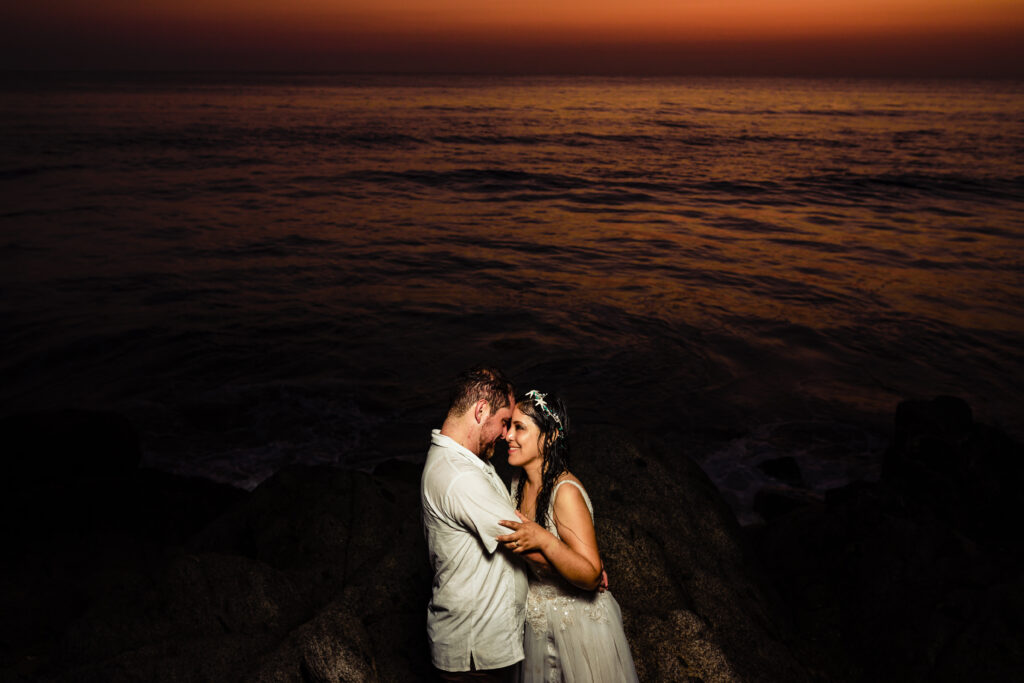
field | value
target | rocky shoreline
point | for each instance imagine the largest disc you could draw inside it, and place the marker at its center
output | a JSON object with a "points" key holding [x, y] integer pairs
{"points": [[115, 573], [920, 576]]}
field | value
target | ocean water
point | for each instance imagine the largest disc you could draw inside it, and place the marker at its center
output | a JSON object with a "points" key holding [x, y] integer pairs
{"points": [[266, 269]]}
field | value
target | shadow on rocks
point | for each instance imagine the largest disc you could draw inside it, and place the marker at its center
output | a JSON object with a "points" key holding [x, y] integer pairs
{"points": [[919, 577], [322, 574], [694, 606]]}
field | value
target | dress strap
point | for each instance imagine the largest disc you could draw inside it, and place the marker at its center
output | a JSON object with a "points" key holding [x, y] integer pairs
{"points": [[586, 498]]}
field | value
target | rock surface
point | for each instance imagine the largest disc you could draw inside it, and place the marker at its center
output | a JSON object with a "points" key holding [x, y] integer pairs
{"points": [[112, 573], [121, 574], [919, 577], [694, 605]]}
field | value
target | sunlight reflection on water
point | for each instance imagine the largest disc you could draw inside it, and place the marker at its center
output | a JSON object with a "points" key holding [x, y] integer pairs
{"points": [[678, 255]]}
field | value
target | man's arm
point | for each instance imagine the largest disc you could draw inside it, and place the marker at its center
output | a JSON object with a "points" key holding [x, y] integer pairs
{"points": [[475, 504]]}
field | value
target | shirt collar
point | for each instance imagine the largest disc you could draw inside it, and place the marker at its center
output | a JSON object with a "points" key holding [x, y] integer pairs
{"points": [[439, 439]]}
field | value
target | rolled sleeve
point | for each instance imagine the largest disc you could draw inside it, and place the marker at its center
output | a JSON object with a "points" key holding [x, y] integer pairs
{"points": [[472, 501]]}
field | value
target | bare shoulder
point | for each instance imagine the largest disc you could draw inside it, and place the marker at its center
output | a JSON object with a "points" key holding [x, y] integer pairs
{"points": [[569, 476], [572, 515], [569, 495]]}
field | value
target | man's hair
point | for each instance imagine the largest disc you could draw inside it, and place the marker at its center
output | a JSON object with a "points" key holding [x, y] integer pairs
{"points": [[481, 382]]}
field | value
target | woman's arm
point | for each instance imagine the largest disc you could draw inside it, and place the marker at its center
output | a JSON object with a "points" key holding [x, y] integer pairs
{"points": [[575, 557]]}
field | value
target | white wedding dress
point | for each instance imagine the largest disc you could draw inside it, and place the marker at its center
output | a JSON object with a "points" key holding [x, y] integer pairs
{"points": [[572, 635]]}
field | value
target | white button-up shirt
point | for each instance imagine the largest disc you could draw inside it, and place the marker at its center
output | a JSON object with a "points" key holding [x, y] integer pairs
{"points": [[479, 604]]}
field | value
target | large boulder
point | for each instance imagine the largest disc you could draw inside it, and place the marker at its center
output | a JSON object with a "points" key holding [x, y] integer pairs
{"points": [[67, 444], [321, 574], [82, 526], [694, 605], [918, 577], [348, 539]]}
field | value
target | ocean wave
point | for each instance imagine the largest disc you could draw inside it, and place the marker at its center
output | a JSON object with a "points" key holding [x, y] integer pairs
{"points": [[27, 171], [244, 263], [894, 186]]}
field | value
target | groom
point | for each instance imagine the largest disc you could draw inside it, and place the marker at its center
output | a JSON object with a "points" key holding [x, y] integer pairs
{"points": [[475, 617]]}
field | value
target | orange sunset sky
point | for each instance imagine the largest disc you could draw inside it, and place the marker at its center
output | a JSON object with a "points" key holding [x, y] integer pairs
{"points": [[715, 37]]}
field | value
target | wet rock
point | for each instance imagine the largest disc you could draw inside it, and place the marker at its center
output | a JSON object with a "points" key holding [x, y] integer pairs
{"points": [[80, 538], [333, 647], [67, 445], [784, 469], [322, 574], [694, 603], [772, 501], [900, 580]]}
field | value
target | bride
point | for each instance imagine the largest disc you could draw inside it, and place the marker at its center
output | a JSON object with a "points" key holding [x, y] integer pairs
{"points": [[573, 630]]}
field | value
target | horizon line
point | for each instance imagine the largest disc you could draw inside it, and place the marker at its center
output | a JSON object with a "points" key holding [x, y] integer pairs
{"points": [[280, 71]]}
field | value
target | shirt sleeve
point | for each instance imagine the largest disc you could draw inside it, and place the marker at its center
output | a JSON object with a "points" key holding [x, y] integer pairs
{"points": [[474, 503]]}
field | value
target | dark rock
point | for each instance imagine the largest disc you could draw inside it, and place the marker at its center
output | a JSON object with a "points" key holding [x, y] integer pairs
{"points": [[120, 574], [230, 604], [81, 524], [66, 445], [969, 475], [399, 469], [331, 647], [784, 469], [771, 502], [59, 567], [916, 577], [694, 604], [322, 574], [947, 418]]}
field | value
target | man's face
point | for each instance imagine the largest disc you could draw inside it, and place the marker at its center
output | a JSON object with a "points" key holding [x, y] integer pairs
{"points": [[494, 427]]}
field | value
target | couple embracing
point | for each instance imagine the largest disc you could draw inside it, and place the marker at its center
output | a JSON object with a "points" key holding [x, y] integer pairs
{"points": [[518, 588]]}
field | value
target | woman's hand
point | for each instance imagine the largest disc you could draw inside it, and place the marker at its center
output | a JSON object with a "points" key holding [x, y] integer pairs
{"points": [[575, 557], [526, 535]]}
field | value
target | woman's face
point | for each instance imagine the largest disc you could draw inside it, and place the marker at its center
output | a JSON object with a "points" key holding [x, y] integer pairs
{"points": [[524, 440]]}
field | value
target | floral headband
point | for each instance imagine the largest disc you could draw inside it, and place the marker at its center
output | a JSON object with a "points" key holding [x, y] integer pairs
{"points": [[538, 400]]}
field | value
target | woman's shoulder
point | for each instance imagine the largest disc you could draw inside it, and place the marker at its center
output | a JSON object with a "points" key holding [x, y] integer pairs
{"points": [[568, 477], [575, 489]]}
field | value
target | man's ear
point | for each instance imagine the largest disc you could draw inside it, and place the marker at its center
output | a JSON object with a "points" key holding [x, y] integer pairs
{"points": [[481, 411]]}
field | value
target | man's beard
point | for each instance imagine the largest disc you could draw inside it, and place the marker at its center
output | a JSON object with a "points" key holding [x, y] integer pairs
{"points": [[486, 450]]}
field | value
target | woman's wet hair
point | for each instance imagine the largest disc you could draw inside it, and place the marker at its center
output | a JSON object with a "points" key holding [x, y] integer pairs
{"points": [[552, 420]]}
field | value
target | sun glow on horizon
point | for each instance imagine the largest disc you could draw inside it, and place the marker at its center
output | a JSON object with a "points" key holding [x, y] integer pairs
{"points": [[230, 32], [757, 18]]}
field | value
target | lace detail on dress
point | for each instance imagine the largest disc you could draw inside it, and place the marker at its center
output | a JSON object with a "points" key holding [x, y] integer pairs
{"points": [[551, 597], [572, 635], [540, 601], [548, 601], [597, 610]]}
